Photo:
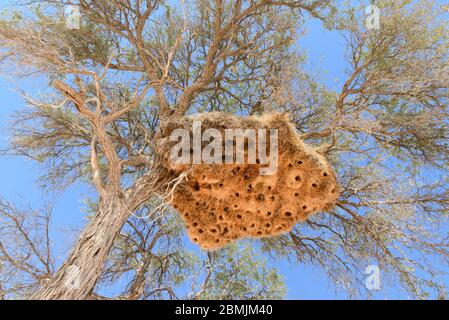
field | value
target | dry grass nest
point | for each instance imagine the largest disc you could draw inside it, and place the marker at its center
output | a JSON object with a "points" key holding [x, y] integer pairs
{"points": [[220, 203]]}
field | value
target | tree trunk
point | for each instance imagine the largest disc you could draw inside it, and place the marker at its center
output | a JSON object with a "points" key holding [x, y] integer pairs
{"points": [[77, 277]]}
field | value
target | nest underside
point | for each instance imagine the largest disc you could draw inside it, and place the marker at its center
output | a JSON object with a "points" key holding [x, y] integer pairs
{"points": [[220, 203]]}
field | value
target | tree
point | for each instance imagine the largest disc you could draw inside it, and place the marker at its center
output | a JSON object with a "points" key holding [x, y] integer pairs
{"points": [[148, 255], [135, 66]]}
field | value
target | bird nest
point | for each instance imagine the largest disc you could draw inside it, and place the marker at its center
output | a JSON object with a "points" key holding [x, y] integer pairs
{"points": [[223, 202]]}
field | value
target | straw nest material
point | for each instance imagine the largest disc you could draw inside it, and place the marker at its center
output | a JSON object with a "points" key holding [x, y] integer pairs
{"points": [[220, 203]]}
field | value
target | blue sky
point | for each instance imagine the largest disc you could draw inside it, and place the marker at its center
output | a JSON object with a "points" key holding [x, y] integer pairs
{"points": [[18, 176]]}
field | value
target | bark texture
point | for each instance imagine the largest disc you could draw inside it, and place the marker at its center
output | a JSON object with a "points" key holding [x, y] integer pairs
{"points": [[77, 277]]}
